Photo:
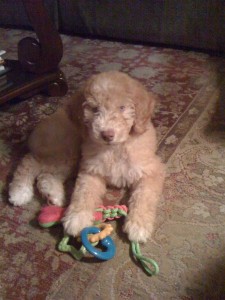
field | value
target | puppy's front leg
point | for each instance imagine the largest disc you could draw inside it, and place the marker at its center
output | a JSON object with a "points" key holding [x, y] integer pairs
{"points": [[142, 207], [87, 195]]}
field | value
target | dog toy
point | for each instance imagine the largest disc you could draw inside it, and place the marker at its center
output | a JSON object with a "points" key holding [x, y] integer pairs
{"points": [[52, 215], [91, 236], [106, 242]]}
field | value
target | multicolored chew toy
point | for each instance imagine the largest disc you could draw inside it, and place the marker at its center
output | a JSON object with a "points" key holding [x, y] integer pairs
{"points": [[50, 215], [91, 236], [89, 246]]}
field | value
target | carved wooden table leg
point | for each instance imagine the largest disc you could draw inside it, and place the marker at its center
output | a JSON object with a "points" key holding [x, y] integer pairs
{"points": [[37, 65], [43, 55], [58, 87]]}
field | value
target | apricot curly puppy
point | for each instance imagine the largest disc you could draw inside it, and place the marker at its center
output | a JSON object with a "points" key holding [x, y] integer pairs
{"points": [[110, 117]]}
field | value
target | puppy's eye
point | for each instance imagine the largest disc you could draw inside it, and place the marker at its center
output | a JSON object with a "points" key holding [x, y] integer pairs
{"points": [[122, 108], [95, 109]]}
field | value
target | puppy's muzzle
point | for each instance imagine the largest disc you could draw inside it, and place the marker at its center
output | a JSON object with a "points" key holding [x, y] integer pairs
{"points": [[108, 135]]}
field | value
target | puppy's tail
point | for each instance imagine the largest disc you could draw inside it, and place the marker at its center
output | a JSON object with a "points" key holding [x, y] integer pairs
{"points": [[21, 188]]}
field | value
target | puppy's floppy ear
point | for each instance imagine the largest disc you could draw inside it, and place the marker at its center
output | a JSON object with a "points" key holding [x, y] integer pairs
{"points": [[144, 103], [74, 109]]}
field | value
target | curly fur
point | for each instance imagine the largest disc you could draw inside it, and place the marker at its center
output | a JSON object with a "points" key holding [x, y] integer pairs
{"points": [[109, 118]]}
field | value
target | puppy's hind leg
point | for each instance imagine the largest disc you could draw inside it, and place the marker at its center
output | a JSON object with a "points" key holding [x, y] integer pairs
{"points": [[21, 187], [51, 187]]}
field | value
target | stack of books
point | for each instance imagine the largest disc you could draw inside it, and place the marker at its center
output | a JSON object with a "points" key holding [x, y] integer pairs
{"points": [[4, 82]]}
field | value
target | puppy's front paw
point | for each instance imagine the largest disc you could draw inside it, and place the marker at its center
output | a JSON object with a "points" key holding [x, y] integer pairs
{"points": [[136, 232], [74, 222]]}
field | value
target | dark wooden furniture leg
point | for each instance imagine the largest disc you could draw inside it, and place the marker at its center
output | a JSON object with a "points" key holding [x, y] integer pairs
{"points": [[37, 65], [43, 55]]}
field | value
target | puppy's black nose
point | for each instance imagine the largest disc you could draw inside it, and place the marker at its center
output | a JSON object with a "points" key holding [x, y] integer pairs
{"points": [[108, 135]]}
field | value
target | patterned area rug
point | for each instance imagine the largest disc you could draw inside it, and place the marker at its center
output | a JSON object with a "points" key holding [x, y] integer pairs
{"points": [[189, 238]]}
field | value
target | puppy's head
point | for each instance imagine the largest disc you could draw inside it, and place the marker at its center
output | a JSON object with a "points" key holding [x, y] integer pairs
{"points": [[111, 106]]}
